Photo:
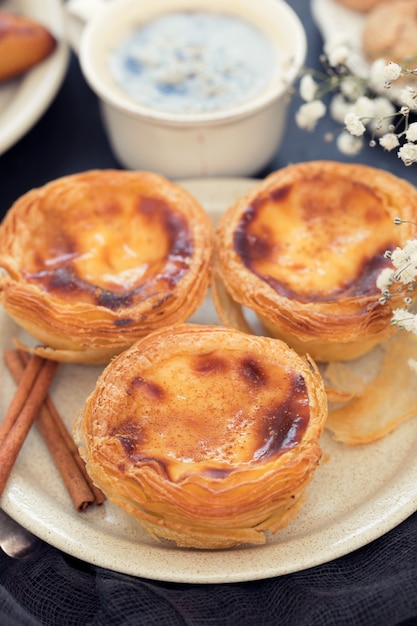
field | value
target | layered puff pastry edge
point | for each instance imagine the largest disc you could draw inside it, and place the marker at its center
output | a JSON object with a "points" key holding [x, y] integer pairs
{"points": [[93, 261], [206, 435], [303, 250]]}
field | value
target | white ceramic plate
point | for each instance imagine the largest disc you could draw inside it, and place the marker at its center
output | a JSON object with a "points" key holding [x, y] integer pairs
{"points": [[25, 99], [357, 495]]}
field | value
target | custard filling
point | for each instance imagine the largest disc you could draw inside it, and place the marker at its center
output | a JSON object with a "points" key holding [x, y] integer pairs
{"points": [[307, 240], [112, 253], [209, 413]]}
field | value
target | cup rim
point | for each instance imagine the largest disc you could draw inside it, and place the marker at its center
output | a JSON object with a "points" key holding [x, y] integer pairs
{"points": [[134, 109]]}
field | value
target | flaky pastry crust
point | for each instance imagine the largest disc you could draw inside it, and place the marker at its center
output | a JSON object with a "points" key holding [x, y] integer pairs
{"points": [[93, 261], [303, 249], [208, 436]]}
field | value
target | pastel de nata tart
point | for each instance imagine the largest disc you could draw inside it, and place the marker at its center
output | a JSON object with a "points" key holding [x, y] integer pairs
{"points": [[206, 435], [303, 250], [93, 261]]}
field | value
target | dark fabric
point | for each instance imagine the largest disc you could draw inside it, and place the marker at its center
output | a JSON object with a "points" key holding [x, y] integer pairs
{"points": [[375, 586]]}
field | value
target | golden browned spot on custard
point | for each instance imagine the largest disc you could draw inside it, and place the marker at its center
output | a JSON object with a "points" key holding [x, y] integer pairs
{"points": [[210, 364], [317, 239], [152, 390], [212, 412], [111, 254], [253, 372], [130, 436]]}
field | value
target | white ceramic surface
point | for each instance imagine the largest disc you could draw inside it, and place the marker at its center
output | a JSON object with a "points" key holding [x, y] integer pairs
{"points": [[358, 493], [235, 142], [25, 99]]}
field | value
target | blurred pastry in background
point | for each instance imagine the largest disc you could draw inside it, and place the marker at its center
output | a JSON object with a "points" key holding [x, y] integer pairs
{"points": [[390, 32], [368, 6], [362, 6], [24, 43]]}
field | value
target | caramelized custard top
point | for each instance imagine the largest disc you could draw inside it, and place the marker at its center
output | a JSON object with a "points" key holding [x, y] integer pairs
{"points": [[210, 412], [318, 239], [110, 250]]}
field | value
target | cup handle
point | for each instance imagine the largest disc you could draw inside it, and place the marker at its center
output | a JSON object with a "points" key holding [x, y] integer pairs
{"points": [[77, 13]]}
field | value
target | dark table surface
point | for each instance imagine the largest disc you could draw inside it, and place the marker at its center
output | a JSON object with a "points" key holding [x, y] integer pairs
{"points": [[375, 585]]}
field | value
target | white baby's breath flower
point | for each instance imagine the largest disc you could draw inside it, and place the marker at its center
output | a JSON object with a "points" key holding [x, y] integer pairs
{"points": [[360, 102], [308, 88], [405, 320], [399, 257], [348, 144], [351, 88], [364, 107], [339, 107], [382, 115], [408, 153], [389, 141], [407, 274], [413, 364], [309, 113], [402, 256], [392, 71], [385, 278], [376, 78], [411, 132], [354, 125], [408, 96], [383, 107], [337, 52], [404, 260], [410, 248]]}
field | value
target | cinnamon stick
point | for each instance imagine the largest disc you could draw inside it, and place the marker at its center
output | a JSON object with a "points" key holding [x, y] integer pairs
{"points": [[99, 496], [59, 442], [22, 393], [20, 423], [59, 425]]}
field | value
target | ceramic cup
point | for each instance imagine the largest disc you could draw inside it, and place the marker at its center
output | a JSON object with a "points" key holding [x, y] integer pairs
{"points": [[235, 141]]}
